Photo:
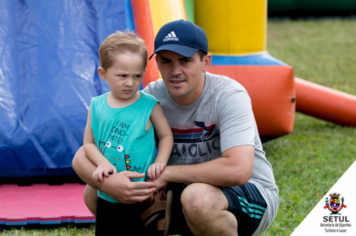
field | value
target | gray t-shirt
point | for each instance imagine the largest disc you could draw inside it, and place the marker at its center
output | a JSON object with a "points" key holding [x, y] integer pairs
{"points": [[220, 119]]}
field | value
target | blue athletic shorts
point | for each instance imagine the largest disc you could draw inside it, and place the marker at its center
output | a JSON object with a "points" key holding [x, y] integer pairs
{"points": [[245, 203]]}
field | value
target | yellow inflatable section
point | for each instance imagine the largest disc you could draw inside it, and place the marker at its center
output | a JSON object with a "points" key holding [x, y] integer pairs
{"points": [[233, 27], [162, 13]]}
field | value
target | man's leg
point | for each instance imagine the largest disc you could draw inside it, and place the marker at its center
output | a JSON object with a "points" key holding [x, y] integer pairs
{"points": [[205, 209], [90, 198], [83, 167]]}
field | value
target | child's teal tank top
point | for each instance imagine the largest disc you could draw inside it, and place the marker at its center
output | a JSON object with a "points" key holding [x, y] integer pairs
{"points": [[121, 137]]}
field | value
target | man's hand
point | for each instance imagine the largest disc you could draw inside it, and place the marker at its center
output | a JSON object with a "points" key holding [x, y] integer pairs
{"points": [[120, 187], [155, 170], [103, 171]]}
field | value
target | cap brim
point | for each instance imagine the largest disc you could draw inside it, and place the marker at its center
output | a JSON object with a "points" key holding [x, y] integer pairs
{"points": [[177, 48]]}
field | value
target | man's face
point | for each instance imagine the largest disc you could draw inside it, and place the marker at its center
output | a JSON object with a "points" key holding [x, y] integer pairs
{"points": [[183, 76]]}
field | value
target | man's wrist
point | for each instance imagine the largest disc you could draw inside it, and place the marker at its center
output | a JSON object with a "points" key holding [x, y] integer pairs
{"points": [[165, 174]]}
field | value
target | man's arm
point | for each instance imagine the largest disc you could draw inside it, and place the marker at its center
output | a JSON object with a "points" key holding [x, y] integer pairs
{"points": [[237, 133], [233, 168], [118, 186], [83, 167]]}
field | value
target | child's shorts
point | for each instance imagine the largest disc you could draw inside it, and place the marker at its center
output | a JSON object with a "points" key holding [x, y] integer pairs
{"points": [[121, 219]]}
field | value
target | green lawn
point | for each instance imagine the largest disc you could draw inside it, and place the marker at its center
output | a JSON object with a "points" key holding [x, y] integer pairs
{"points": [[311, 159], [69, 230]]}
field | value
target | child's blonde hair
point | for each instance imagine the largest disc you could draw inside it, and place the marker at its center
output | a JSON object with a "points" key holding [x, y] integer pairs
{"points": [[121, 42]]}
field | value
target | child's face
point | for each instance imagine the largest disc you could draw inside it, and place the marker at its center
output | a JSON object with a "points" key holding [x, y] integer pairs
{"points": [[125, 75]]}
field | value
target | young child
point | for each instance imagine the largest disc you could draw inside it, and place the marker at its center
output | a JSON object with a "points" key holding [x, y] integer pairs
{"points": [[119, 135]]}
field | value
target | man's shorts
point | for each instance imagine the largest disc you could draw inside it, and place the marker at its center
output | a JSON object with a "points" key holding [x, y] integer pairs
{"points": [[245, 203]]}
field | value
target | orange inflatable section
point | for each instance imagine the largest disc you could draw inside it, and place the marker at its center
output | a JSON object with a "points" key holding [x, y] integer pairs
{"points": [[272, 93], [144, 29], [325, 103]]}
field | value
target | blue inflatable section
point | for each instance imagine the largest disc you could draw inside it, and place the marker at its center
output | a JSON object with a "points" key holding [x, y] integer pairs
{"points": [[48, 75], [263, 59]]}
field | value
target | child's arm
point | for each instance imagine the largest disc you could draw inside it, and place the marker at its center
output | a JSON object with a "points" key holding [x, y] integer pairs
{"points": [[104, 167], [165, 145]]}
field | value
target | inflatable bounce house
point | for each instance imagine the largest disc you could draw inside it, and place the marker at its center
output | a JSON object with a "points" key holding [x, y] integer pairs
{"points": [[48, 75]]}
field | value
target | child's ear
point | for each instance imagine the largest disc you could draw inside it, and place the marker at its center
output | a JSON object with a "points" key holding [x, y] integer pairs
{"points": [[102, 73]]}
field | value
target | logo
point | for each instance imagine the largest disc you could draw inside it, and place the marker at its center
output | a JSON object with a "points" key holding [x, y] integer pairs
{"points": [[171, 37], [334, 206]]}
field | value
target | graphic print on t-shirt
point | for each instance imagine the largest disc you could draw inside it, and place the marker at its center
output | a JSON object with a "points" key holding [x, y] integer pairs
{"points": [[115, 152], [194, 143]]}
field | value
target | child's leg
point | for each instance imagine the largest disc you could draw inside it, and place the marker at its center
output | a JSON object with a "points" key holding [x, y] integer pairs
{"points": [[121, 219]]}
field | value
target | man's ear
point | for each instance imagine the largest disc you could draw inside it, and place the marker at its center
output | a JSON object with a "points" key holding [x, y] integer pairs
{"points": [[207, 62], [102, 73], [156, 58]]}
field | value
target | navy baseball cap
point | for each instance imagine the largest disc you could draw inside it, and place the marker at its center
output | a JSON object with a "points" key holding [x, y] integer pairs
{"points": [[182, 37]]}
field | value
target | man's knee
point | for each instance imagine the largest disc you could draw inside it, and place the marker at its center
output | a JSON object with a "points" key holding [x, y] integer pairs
{"points": [[205, 210], [193, 197], [90, 198], [202, 199]]}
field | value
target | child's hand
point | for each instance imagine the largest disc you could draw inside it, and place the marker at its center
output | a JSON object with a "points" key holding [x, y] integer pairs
{"points": [[155, 170], [103, 171]]}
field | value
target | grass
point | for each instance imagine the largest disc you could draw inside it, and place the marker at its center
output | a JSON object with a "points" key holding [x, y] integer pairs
{"points": [[68, 230], [309, 161], [313, 157]]}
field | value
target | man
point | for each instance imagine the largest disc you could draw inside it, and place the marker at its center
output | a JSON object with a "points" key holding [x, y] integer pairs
{"points": [[216, 149]]}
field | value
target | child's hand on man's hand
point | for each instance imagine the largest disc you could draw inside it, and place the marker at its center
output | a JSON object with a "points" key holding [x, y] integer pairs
{"points": [[103, 171], [155, 170]]}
